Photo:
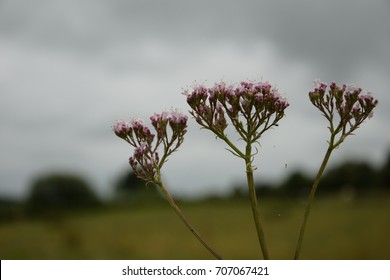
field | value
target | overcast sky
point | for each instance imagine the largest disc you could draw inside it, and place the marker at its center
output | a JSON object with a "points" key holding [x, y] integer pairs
{"points": [[69, 69]]}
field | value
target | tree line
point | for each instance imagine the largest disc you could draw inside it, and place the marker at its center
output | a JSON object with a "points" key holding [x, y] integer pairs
{"points": [[356, 178], [51, 194]]}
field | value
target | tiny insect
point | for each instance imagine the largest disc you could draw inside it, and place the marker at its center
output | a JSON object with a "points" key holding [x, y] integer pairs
{"points": [[285, 166]]}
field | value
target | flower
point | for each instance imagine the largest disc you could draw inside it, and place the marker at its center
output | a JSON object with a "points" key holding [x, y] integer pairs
{"points": [[145, 160], [177, 120], [350, 88], [352, 104], [160, 121], [121, 128], [319, 86], [252, 102]]}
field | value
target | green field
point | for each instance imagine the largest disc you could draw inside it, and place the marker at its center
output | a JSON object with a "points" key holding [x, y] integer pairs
{"points": [[337, 229]]}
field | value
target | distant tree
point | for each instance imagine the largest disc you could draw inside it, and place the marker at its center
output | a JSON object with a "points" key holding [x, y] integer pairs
{"points": [[265, 189], [360, 176], [385, 174], [10, 210], [296, 185], [131, 188], [60, 192], [129, 183]]}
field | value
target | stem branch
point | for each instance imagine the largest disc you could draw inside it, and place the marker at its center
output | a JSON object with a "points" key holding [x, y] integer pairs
{"points": [[253, 199], [185, 220], [311, 197]]}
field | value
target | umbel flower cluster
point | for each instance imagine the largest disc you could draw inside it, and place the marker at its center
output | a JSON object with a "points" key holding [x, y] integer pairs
{"points": [[252, 107], [351, 104], [146, 162]]}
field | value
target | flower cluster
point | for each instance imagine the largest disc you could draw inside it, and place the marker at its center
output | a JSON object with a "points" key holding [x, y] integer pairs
{"points": [[146, 161], [352, 104], [252, 107]]}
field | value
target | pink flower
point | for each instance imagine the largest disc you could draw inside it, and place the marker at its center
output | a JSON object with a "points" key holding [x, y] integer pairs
{"points": [[263, 87], [121, 129], [178, 122], [349, 101], [320, 86], [177, 117], [254, 101], [137, 123], [352, 88], [145, 160]]}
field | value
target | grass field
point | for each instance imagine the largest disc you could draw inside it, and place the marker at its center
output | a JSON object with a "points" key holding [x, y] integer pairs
{"points": [[337, 229]]}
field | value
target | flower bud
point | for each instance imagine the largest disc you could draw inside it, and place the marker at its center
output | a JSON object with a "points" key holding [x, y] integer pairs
{"points": [[352, 105], [254, 101], [122, 129], [145, 160]]}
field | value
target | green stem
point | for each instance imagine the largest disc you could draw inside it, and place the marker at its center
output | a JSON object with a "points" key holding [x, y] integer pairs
{"points": [[253, 199], [311, 196], [230, 144], [184, 219]]}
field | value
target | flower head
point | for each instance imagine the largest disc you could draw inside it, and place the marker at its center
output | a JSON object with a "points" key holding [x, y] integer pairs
{"points": [[121, 129], [178, 118], [159, 122], [255, 103], [320, 86], [145, 160], [351, 88], [350, 102]]}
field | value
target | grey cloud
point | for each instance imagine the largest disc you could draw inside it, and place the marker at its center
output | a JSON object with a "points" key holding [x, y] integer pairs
{"points": [[77, 66], [333, 35]]}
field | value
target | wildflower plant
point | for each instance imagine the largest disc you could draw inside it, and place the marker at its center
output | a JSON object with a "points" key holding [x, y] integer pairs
{"points": [[252, 108], [345, 108], [151, 151]]}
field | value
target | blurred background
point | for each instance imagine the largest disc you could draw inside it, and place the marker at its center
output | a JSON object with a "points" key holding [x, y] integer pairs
{"points": [[70, 69]]}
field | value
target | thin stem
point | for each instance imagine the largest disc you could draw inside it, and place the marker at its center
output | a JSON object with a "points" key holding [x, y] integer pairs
{"points": [[311, 196], [231, 145], [253, 199], [166, 154], [185, 220]]}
